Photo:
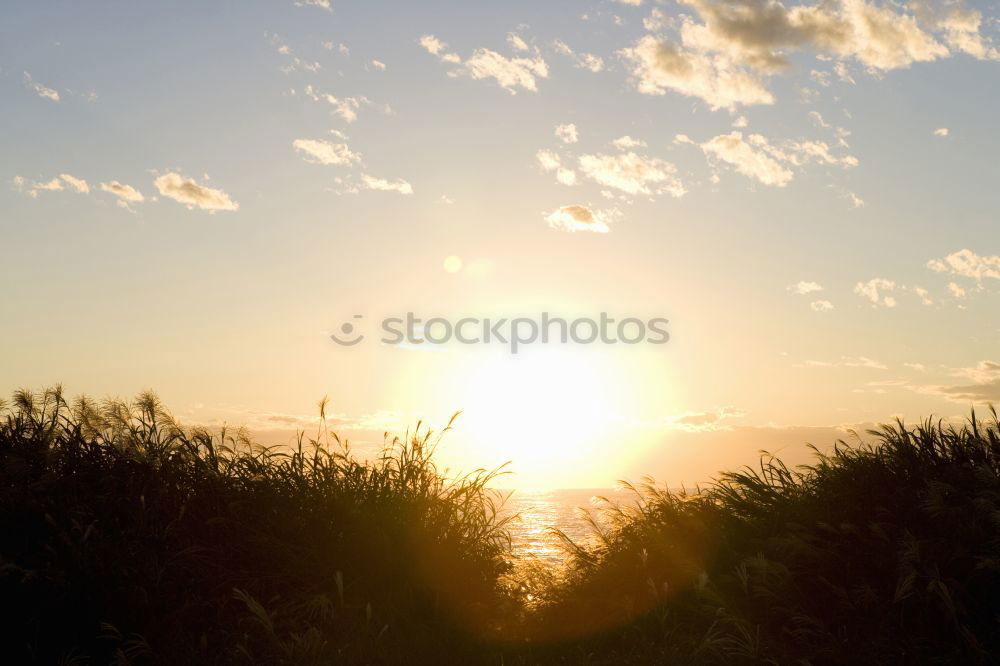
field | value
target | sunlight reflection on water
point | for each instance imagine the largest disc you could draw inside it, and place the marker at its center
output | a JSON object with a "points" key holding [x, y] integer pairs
{"points": [[543, 509]]}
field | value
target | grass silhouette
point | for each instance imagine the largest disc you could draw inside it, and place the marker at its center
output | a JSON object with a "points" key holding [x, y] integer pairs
{"points": [[126, 538]]}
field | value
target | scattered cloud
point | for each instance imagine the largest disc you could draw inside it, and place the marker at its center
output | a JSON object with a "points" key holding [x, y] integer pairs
{"points": [[875, 291], [626, 142], [377, 64], [821, 306], [849, 362], [967, 263], [126, 194], [399, 185], [589, 61], [567, 133], [77, 184], [40, 90], [805, 287], [322, 4], [923, 295], [550, 161], [660, 66], [510, 73], [982, 384], [941, 131], [318, 151], [580, 218], [749, 157], [633, 173], [723, 54], [193, 195], [956, 290]]}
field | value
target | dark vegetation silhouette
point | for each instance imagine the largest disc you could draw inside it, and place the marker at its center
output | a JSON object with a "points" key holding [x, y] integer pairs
{"points": [[126, 538]]}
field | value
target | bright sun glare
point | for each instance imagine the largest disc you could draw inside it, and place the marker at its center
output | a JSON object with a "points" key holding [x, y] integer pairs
{"points": [[548, 413]]}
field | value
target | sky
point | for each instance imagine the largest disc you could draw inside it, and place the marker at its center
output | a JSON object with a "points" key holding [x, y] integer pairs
{"points": [[195, 196]]}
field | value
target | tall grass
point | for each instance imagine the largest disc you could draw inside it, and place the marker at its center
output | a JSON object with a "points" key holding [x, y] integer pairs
{"points": [[126, 538], [886, 551]]}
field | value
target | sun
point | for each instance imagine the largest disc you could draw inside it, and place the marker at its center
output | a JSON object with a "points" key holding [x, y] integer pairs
{"points": [[550, 412]]}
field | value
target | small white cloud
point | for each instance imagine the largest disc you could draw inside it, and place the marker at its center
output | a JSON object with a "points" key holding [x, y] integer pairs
{"points": [[821, 306], [633, 173], [967, 263], [956, 290], [125, 193], [567, 133], [193, 195], [77, 184], [750, 160], [516, 42], [875, 291], [42, 91], [941, 131], [510, 73], [399, 185], [318, 151], [577, 217], [626, 142], [378, 64], [805, 287]]}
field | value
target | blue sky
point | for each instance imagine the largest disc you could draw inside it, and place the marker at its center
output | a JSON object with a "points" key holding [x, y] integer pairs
{"points": [[299, 164]]}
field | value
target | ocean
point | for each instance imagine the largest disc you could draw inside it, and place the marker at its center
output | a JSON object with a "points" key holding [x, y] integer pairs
{"points": [[543, 509]]}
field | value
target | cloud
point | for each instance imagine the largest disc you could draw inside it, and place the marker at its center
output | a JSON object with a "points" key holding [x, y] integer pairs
{"points": [[821, 306], [856, 201], [924, 295], [626, 142], [510, 73], [983, 384], [729, 46], [661, 66], [704, 421], [580, 218], [77, 184], [345, 107], [40, 90], [941, 131], [567, 133], [54, 185], [633, 173], [589, 61], [805, 287], [849, 362], [399, 185], [322, 4], [125, 193], [378, 64], [550, 161], [956, 290], [188, 192], [516, 42], [874, 290], [750, 158], [967, 263], [318, 151], [760, 33]]}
